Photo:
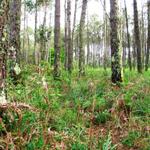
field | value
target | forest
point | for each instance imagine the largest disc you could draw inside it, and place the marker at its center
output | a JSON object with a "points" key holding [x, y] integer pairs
{"points": [[74, 75]]}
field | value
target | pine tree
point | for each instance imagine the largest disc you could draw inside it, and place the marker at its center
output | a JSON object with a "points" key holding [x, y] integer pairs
{"points": [[14, 34], [116, 65], [137, 37], [81, 39], [148, 38], [57, 40], [4, 5]]}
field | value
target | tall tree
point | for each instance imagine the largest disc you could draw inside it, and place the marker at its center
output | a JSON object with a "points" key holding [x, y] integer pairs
{"points": [[35, 32], [14, 33], [148, 38], [116, 65], [142, 36], [70, 51], [128, 36], [137, 37], [3, 47], [88, 41], [81, 39], [57, 40], [105, 35], [43, 32], [74, 23], [66, 35]]}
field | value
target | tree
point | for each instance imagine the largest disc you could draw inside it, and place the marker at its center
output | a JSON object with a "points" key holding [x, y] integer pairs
{"points": [[148, 38], [137, 37], [128, 37], [88, 42], [81, 42], [69, 48], [35, 33], [43, 38], [14, 34], [116, 65], [66, 35], [57, 40], [74, 23], [105, 36], [4, 5]]}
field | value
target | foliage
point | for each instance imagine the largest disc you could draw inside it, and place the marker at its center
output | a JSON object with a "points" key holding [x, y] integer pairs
{"points": [[76, 113], [130, 139]]}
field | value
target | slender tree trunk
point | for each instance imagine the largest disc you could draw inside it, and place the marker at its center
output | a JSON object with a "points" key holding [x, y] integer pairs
{"points": [[66, 36], [137, 38], [93, 55], [35, 34], [128, 37], [142, 38], [88, 41], [43, 38], [105, 36], [4, 5], [70, 51], [48, 52], [74, 23], [14, 34], [148, 39], [57, 40], [24, 31], [123, 36], [28, 41], [81, 39], [134, 53], [116, 65]]}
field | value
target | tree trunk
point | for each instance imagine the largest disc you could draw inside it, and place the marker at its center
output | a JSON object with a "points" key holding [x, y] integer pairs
{"points": [[88, 42], [66, 36], [148, 39], [105, 36], [24, 36], [142, 37], [81, 39], [4, 5], [74, 23], [116, 65], [35, 34], [48, 52], [43, 37], [14, 34], [128, 37], [57, 40], [137, 38], [70, 51]]}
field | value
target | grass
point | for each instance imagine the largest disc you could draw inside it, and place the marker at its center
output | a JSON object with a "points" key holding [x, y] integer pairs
{"points": [[78, 114]]}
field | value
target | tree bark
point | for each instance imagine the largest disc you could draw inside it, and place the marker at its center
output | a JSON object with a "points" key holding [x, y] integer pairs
{"points": [[43, 32], [74, 24], [81, 39], [66, 36], [116, 64], [128, 37], [88, 42], [70, 51], [105, 36], [4, 5], [137, 37], [35, 34], [57, 40], [148, 38], [14, 34]]}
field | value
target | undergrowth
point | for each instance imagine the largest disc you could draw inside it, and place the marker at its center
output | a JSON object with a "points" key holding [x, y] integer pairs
{"points": [[76, 113]]}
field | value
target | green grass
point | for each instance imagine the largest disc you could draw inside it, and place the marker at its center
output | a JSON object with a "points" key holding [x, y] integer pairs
{"points": [[77, 113]]}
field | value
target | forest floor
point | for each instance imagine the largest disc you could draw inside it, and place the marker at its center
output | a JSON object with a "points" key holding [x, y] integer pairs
{"points": [[87, 113]]}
